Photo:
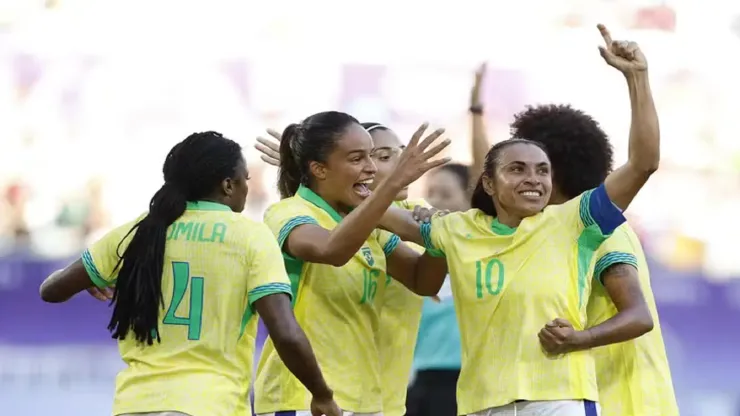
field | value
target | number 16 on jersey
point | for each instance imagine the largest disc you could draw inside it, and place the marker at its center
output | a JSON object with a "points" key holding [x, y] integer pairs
{"points": [[181, 281]]}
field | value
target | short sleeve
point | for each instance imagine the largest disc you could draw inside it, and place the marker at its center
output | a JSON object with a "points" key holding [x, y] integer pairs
{"points": [[267, 275], [101, 257], [387, 240], [593, 210], [283, 217], [436, 233], [617, 249]]}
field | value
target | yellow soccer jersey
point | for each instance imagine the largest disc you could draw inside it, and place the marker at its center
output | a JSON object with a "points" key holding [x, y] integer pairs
{"points": [[507, 283], [634, 377], [217, 264], [399, 326], [337, 307]]}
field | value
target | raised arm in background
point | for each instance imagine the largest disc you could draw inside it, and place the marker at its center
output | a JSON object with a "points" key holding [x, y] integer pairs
{"points": [[479, 143]]}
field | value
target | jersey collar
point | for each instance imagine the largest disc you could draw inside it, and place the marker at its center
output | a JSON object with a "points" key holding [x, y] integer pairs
{"points": [[313, 198], [501, 229], [206, 206]]}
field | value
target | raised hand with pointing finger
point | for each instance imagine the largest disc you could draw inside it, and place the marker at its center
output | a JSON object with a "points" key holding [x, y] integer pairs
{"points": [[623, 55]]}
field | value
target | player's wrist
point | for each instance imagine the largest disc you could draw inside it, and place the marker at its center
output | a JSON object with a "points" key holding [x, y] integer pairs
{"points": [[476, 109], [323, 393], [393, 184], [639, 78], [584, 340]]}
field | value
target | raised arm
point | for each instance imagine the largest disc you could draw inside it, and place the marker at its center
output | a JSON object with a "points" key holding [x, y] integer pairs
{"points": [[479, 143], [316, 244], [623, 184]]}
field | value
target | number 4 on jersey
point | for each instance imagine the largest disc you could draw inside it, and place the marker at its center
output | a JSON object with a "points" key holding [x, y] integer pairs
{"points": [[181, 279]]}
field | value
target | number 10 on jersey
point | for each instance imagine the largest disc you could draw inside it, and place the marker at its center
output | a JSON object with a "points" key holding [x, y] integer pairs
{"points": [[484, 277], [181, 280]]}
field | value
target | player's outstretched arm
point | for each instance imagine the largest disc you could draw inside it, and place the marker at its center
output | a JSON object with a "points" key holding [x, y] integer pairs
{"points": [[623, 184], [420, 273], [402, 223], [293, 347]]}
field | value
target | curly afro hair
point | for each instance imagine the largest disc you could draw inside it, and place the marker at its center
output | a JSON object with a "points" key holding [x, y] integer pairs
{"points": [[579, 149]]}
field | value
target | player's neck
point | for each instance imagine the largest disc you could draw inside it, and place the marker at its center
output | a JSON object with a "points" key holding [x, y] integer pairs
{"points": [[215, 200], [507, 219]]}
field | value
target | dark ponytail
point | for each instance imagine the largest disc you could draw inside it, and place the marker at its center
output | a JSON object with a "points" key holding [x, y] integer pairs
{"points": [[194, 168], [138, 295], [289, 174], [480, 199], [311, 140]]}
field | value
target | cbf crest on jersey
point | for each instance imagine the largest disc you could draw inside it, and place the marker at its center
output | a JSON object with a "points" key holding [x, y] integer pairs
{"points": [[368, 254]]}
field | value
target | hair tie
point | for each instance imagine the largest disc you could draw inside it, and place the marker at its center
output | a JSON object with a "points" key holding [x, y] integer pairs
{"points": [[377, 126]]}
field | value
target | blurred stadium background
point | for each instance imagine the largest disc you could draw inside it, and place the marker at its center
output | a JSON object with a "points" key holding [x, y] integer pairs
{"points": [[94, 93]]}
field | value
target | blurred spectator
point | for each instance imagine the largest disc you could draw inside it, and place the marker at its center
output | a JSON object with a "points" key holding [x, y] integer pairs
{"points": [[85, 212], [660, 17], [15, 229]]}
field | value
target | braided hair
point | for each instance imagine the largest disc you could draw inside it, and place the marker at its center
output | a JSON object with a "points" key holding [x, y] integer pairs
{"points": [[193, 170]]}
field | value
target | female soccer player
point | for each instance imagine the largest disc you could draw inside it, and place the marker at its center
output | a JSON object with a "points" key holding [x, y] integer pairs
{"points": [[401, 308], [634, 378], [338, 264], [192, 274], [515, 264]]}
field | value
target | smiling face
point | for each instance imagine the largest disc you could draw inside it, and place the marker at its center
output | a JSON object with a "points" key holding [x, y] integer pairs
{"points": [[346, 176], [521, 182], [387, 149]]}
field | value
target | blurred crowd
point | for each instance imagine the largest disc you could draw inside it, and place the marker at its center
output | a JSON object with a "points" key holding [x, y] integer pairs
{"points": [[88, 107]]}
